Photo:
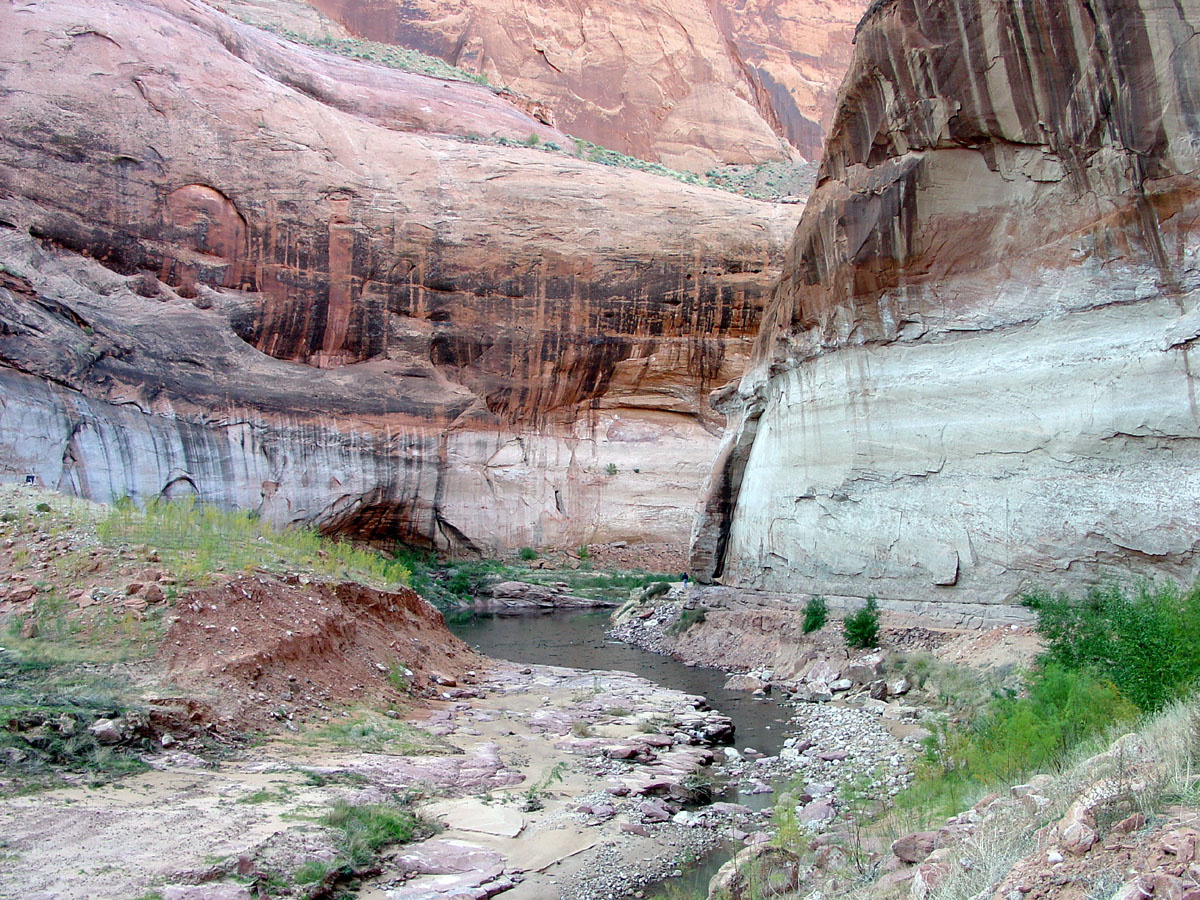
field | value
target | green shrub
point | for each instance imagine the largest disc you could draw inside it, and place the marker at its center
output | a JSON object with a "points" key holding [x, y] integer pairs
{"points": [[815, 612], [611, 469], [528, 554], [861, 628], [1015, 736], [687, 619], [1145, 639]]}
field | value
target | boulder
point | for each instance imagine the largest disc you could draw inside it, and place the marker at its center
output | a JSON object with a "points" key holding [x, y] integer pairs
{"points": [[654, 811], [864, 669], [817, 812], [744, 683], [1077, 829], [106, 731], [915, 846], [758, 871]]}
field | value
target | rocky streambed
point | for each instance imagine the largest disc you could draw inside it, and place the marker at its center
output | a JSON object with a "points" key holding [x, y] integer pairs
{"points": [[809, 755]]}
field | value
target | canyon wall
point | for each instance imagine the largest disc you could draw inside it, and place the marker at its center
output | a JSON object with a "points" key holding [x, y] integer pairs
{"points": [[690, 83], [975, 375], [245, 269]]}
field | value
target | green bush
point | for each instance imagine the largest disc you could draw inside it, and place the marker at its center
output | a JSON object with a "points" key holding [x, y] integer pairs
{"points": [[815, 613], [687, 619], [861, 628], [528, 554], [1145, 639], [1015, 736]]}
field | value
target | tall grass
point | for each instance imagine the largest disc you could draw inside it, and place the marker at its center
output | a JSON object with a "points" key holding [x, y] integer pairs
{"points": [[195, 540]]}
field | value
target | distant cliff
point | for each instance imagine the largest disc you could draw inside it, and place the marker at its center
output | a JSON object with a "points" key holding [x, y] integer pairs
{"points": [[690, 83], [248, 270], [977, 372]]}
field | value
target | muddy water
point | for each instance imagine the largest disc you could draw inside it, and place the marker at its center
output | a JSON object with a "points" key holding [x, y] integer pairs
{"points": [[578, 639]]}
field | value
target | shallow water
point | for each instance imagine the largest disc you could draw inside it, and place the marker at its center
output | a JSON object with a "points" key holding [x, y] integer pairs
{"points": [[578, 639]]}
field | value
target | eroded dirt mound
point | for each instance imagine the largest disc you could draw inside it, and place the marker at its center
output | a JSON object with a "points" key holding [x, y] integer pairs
{"points": [[274, 649]]}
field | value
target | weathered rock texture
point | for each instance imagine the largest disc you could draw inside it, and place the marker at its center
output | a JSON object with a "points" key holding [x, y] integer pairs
{"points": [[690, 83], [249, 270], [976, 373]]}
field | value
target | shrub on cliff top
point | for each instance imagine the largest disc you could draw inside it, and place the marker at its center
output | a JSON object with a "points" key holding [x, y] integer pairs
{"points": [[815, 613], [861, 627]]}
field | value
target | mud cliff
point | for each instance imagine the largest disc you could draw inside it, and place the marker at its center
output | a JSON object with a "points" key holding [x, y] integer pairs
{"points": [[976, 374], [691, 84], [246, 269]]}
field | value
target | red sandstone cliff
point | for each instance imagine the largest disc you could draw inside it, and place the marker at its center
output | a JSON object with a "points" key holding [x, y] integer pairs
{"points": [[277, 278], [690, 83], [975, 375]]}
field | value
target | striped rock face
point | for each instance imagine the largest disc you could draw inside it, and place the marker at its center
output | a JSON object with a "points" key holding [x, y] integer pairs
{"points": [[975, 375], [689, 83], [277, 278]]}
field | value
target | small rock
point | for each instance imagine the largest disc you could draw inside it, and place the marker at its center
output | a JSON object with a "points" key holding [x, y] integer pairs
{"points": [[1131, 824]]}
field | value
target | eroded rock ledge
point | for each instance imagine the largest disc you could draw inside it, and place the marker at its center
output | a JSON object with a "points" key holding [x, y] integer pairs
{"points": [[975, 374], [285, 280]]}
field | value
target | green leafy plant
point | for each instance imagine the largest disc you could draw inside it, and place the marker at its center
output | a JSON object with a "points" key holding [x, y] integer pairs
{"points": [[861, 628], [610, 469], [528, 554], [1145, 638], [535, 793], [398, 677], [815, 612], [1015, 735]]}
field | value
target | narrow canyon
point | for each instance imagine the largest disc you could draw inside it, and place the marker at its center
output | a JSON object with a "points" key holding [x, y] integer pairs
{"points": [[708, 449]]}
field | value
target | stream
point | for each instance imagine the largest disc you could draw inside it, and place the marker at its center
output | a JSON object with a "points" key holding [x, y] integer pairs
{"points": [[577, 639]]}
